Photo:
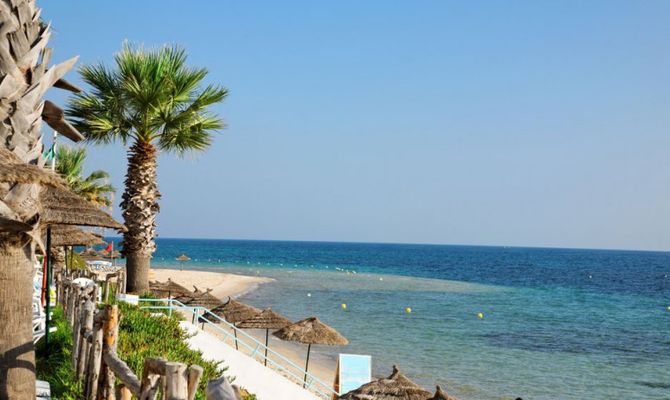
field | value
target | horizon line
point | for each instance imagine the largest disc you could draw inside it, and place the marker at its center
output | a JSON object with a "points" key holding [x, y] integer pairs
{"points": [[418, 244]]}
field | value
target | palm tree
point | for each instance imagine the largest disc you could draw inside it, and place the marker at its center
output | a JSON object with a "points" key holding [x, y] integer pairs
{"points": [[154, 102], [25, 77], [70, 165]]}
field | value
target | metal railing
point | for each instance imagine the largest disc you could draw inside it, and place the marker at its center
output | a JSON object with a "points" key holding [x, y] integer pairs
{"points": [[243, 340]]}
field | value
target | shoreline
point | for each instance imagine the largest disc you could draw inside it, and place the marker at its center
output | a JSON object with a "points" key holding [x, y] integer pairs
{"points": [[224, 285]]}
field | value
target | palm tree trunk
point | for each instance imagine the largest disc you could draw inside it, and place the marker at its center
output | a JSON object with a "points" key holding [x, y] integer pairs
{"points": [[17, 358], [140, 207], [25, 78]]}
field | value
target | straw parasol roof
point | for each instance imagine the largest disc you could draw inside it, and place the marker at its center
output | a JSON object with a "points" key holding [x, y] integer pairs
{"points": [[169, 288], [13, 169], [108, 254], [68, 235], [204, 299], [441, 395], [396, 387], [183, 257], [266, 319], [61, 206], [234, 311], [311, 331]]}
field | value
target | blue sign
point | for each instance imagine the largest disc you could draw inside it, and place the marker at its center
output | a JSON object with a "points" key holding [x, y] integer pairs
{"points": [[355, 371]]}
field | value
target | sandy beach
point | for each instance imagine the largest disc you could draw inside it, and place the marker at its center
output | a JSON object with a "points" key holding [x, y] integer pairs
{"points": [[233, 285], [222, 284]]}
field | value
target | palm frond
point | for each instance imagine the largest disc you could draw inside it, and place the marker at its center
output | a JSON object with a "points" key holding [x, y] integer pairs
{"points": [[149, 96], [70, 165]]}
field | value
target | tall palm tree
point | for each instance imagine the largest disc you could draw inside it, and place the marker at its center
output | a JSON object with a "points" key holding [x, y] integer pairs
{"points": [[24, 79], [70, 165], [153, 101]]}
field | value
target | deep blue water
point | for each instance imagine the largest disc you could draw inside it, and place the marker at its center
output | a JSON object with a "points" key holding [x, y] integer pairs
{"points": [[559, 323], [612, 271]]}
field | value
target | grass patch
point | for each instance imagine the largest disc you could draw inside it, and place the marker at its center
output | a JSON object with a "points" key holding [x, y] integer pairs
{"points": [[56, 367]]}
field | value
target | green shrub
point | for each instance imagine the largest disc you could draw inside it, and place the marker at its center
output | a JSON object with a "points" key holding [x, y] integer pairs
{"points": [[142, 335], [56, 366]]}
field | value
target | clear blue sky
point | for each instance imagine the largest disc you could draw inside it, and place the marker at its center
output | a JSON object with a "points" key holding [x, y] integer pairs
{"points": [[502, 122]]}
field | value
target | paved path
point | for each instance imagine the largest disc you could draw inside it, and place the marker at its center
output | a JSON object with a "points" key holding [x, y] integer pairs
{"points": [[249, 373]]}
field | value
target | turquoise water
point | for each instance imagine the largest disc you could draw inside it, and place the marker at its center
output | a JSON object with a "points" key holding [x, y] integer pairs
{"points": [[558, 324]]}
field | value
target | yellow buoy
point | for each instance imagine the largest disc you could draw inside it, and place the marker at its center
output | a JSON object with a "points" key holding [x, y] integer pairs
{"points": [[480, 315], [381, 279], [344, 306], [668, 308], [408, 310], [309, 295]]}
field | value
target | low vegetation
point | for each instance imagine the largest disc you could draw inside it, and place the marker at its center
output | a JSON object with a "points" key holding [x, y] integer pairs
{"points": [[56, 366], [140, 336]]}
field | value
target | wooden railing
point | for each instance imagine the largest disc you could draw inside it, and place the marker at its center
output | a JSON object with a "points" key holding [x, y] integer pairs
{"points": [[96, 363]]}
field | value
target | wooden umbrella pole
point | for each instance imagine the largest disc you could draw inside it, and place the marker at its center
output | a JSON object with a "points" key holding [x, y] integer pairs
{"points": [[235, 332], [309, 347], [267, 332]]}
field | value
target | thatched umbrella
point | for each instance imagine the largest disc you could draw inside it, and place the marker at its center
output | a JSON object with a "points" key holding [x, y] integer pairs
{"points": [[62, 207], [267, 320], [68, 235], [396, 387], [168, 289], [441, 395], [311, 331], [235, 312], [182, 258], [13, 169], [205, 298]]}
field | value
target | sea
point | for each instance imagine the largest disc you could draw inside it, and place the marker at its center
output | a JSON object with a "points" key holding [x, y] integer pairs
{"points": [[487, 323]]}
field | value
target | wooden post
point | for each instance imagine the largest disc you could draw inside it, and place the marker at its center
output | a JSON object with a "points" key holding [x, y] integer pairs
{"points": [[176, 380], [194, 374], [105, 290], [76, 332], [94, 364], [151, 374], [221, 389], [109, 337], [86, 326], [125, 393], [71, 294], [123, 372]]}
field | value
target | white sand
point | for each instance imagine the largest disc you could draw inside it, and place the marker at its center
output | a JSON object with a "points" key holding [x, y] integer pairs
{"points": [[222, 284]]}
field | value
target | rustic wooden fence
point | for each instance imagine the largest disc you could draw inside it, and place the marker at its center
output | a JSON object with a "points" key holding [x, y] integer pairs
{"points": [[94, 357]]}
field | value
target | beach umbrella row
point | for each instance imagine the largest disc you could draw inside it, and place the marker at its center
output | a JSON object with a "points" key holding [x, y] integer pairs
{"points": [[309, 331]]}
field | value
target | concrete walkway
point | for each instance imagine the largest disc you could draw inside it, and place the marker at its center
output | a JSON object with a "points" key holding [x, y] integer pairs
{"points": [[249, 373]]}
